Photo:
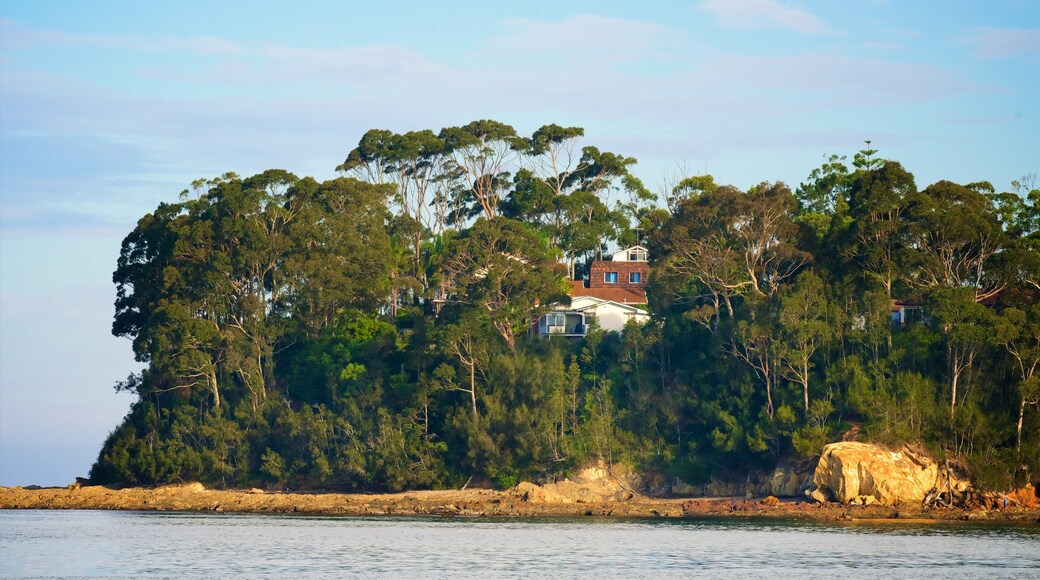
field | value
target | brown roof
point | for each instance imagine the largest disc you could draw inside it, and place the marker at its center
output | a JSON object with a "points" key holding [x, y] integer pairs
{"points": [[623, 295]]}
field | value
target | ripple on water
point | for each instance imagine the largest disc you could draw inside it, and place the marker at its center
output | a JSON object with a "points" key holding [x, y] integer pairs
{"points": [[63, 543]]}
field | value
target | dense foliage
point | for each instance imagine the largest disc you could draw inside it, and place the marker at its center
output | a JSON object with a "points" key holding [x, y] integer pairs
{"points": [[372, 331]]}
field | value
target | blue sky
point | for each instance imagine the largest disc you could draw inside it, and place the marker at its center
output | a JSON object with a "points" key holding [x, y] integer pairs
{"points": [[108, 108]]}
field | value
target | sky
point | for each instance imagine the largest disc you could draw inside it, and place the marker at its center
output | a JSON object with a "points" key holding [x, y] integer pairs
{"points": [[108, 108]]}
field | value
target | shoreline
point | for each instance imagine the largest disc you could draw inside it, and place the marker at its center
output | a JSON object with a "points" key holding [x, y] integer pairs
{"points": [[478, 503]]}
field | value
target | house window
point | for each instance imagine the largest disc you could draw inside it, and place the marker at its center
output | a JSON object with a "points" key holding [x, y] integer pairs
{"points": [[557, 319], [610, 277], [637, 255], [635, 277]]}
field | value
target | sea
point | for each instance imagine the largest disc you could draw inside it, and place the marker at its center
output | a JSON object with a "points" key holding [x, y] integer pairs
{"points": [[122, 544]]}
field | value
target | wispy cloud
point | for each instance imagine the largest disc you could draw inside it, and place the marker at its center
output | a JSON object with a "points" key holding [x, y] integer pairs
{"points": [[587, 35], [14, 36], [1000, 43], [758, 14], [850, 81]]}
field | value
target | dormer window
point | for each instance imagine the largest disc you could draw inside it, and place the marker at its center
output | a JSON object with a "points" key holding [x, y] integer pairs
{"points": [[610, 277], [637, 255]]}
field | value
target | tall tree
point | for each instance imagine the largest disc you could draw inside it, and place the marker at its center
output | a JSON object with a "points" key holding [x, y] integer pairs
{"points": [[875, 239], [1018, 330], [483, 153], [806, 324], [502, 268], [954, 240]]}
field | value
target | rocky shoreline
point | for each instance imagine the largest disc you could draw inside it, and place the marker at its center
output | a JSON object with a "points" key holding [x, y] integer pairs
{"points": [[526, 500]]}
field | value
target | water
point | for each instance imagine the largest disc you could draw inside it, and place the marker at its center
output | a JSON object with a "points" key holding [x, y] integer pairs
{"points": [[136, 544]]}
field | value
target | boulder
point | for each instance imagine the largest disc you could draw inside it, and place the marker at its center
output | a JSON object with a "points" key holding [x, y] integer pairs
{"points": [[534, 493], [682, 489], [849, 470], [787, 482], [723, 489], [1026, 496]]}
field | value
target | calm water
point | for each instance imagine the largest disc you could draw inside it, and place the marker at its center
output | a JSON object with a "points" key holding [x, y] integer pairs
{"points": [[135, 544]]}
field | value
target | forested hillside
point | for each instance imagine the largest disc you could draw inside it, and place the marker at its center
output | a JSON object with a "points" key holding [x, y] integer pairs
{"points": [[373, 331]]}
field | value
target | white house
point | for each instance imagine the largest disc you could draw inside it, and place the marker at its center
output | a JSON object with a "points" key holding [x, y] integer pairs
{"points": [[615, 294], [574, 320]]}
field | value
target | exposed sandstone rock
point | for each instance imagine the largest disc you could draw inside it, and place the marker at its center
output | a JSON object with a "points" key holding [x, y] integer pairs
{"points": [[817, 496], [1026, 497], [788, 482], [534, 493], [682, 489], [849, 470], [450, 503]]}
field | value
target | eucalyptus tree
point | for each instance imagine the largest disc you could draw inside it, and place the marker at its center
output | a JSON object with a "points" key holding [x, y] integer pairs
{"points": [[967, 330], [414, 163], [368, 161], [724, 243], [483, 153], [1018, 331], [955, 240], [342, 252], [163, 303], [806, 323], [503, 269], [875, 239]]}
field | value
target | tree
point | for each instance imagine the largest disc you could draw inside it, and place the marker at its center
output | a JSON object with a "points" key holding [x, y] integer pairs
{"points": [[501, 267], [342, 253], [724, 243], [824, 196], [754, 342], [966, 328], [954, 238], [482, 152], [1018, 330], [468, 341], [874, 241], [806, 324]]}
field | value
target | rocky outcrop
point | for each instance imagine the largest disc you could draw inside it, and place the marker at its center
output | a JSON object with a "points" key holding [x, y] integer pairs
{"points": [[481, 502], [851, 472], [788, 482], [784, 481], [596, 484]]}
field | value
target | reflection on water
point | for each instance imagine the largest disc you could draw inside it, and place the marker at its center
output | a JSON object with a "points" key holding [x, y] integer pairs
{"points": [[78, 543]]}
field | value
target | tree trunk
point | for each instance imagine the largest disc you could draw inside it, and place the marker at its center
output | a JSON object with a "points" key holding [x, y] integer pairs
{"points": [[1021, 413], [216, 394], [805, 382], [954, 376], [473, 387]]}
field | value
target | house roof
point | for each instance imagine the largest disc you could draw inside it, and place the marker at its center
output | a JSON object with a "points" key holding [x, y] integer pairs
{"points": [[621, 295], [584, 303]]}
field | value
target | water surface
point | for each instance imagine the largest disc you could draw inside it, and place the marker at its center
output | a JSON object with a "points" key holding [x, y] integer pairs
{"points": [[136, 544]]}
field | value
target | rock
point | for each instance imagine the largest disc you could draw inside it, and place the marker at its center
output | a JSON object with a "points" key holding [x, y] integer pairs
{"points": [[848, 470], [1026, 496], [595, 484], [787, 482], [533, 493], [721, 489], [818, 495], [682, 489], [771, 500]]}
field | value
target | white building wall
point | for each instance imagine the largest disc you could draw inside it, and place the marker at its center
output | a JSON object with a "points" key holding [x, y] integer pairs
{"points": [[610, 316]]}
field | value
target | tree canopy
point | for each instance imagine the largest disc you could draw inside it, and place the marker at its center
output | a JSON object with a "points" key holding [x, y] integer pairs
{"points": [[371, 332]]}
